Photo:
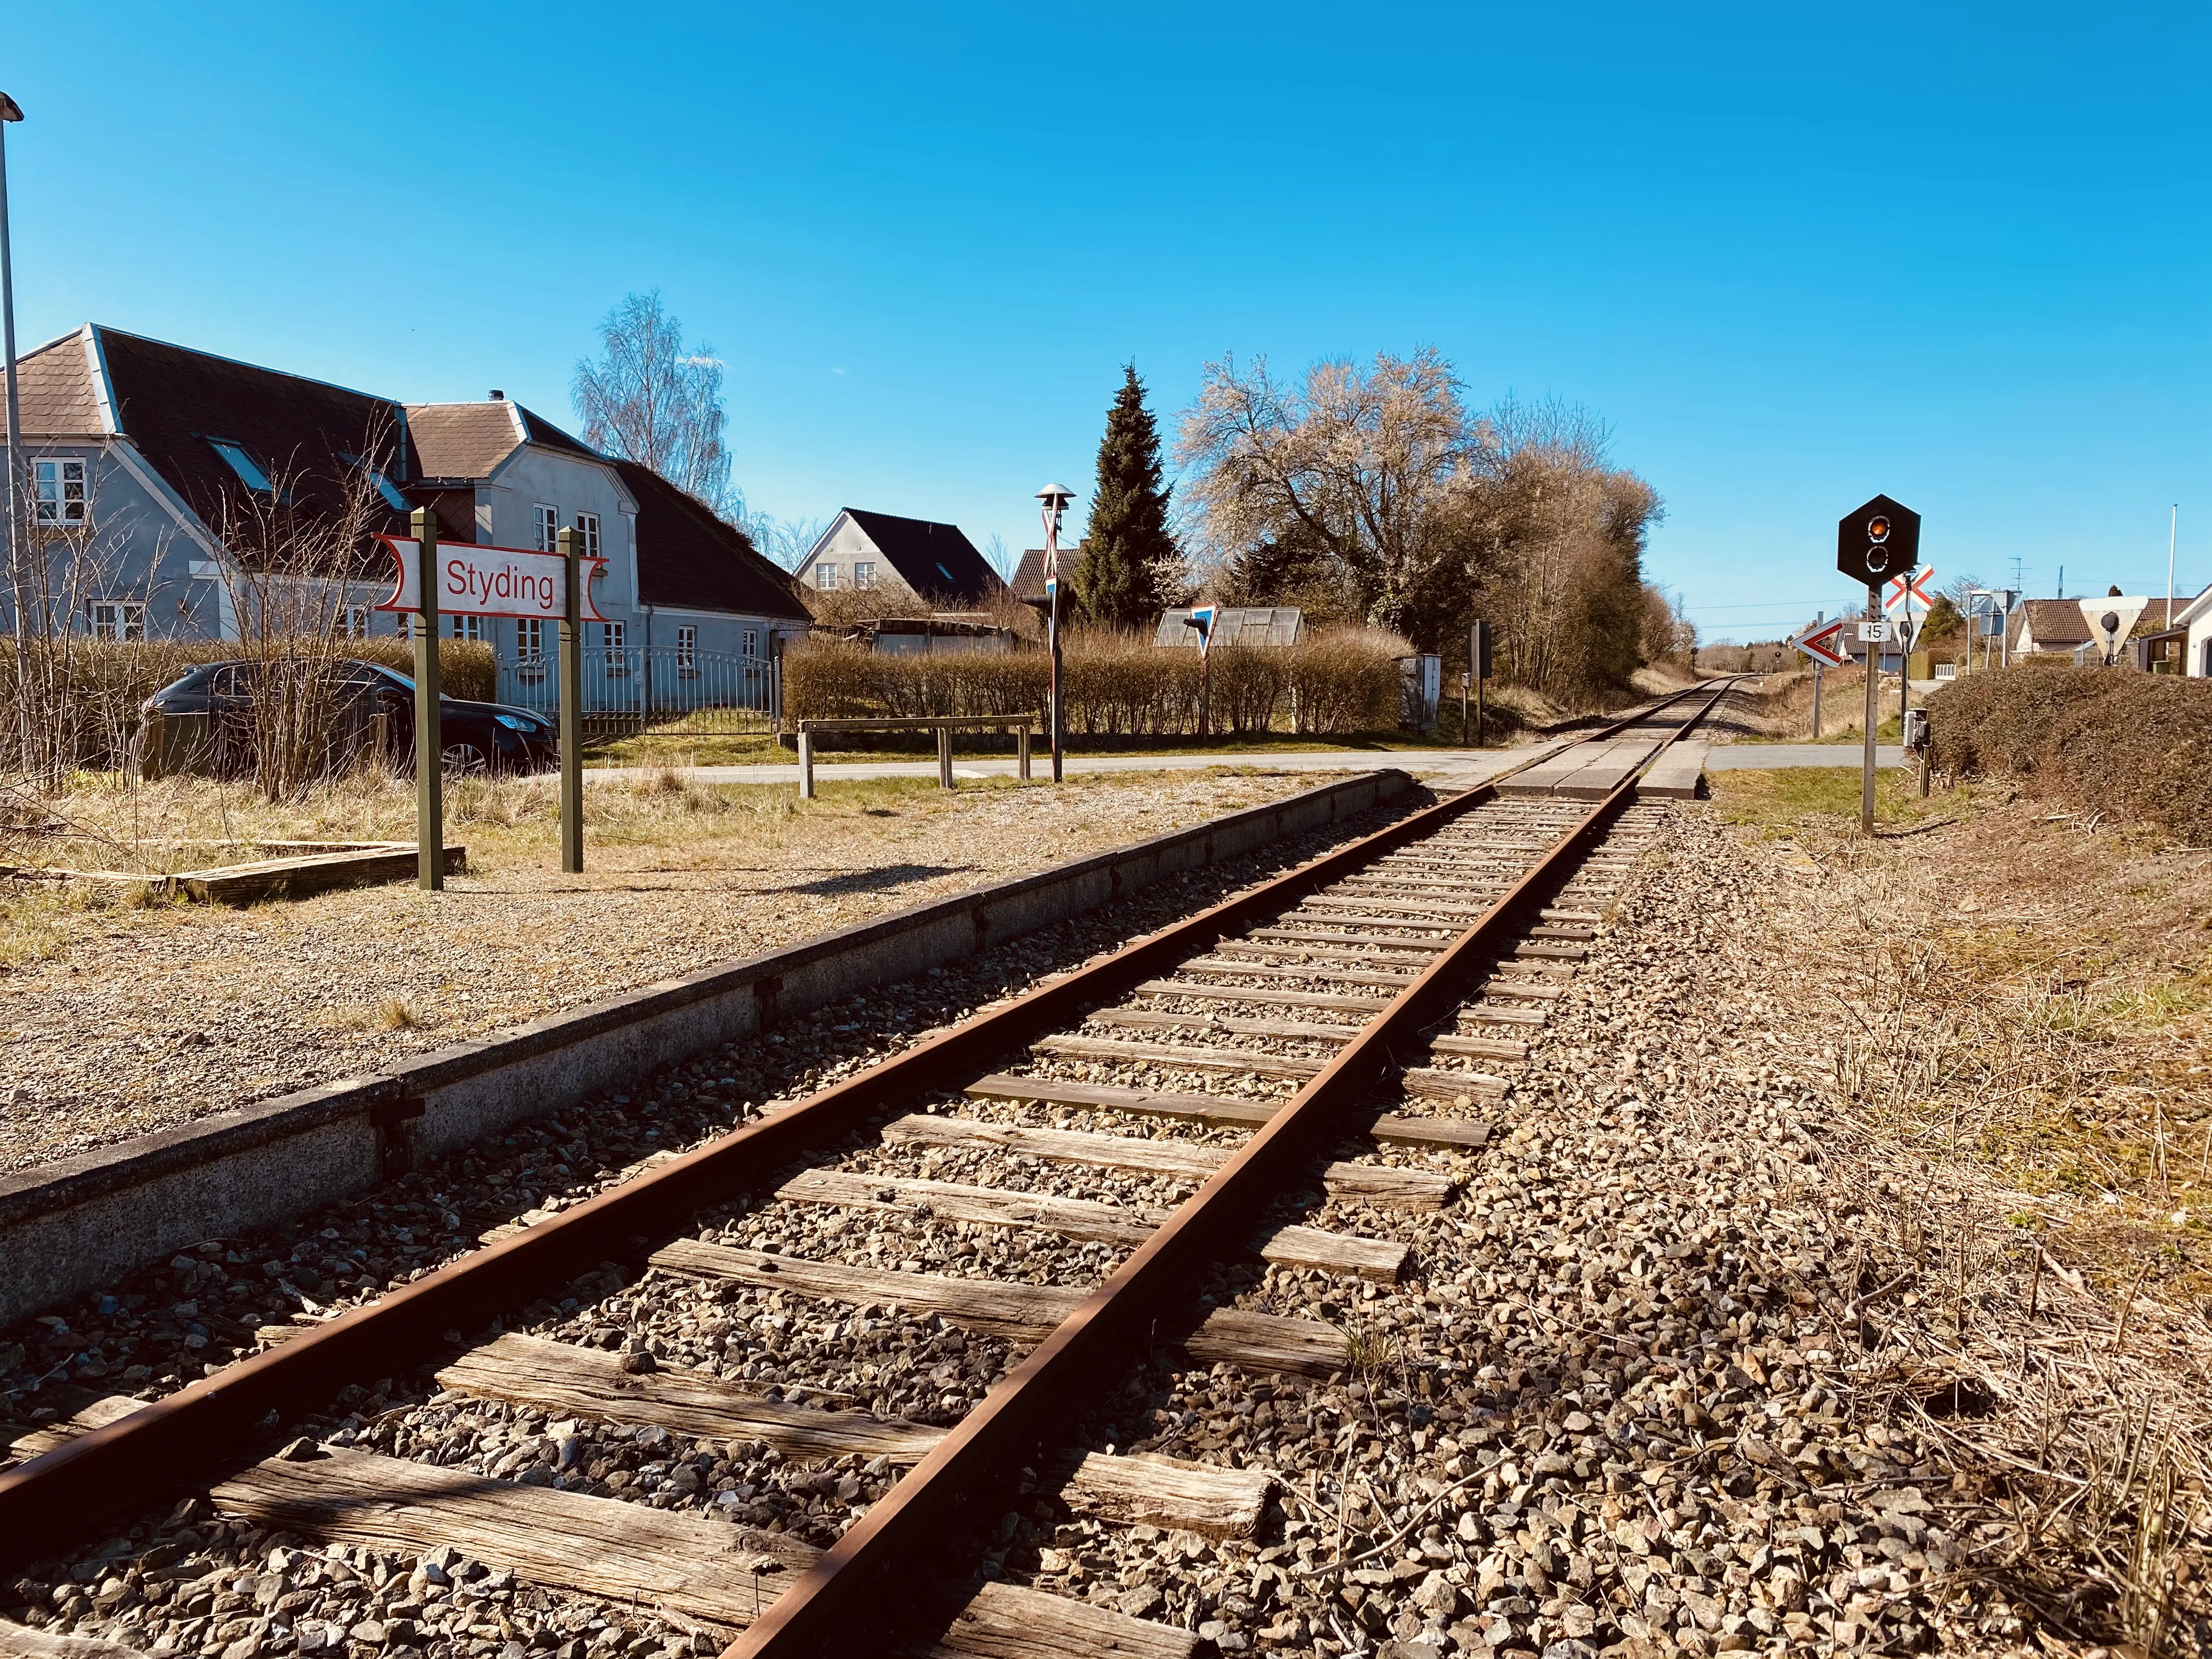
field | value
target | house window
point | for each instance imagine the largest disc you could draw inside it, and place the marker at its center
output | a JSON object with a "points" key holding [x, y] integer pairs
{"points": [[59, 487], [611, 642], [588, 527], [752, 642], [825, 577], [350, 623], [530, 640], [863, 575], [468, 628], [118, 619], [248, 470], [687, 649], [549, 528]]}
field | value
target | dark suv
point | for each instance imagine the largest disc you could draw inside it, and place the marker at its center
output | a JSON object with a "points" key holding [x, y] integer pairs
{"points": [[473, 737]]}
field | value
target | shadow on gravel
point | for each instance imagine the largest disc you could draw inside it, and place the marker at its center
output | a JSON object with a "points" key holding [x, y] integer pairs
{"points": [[871, 881]]}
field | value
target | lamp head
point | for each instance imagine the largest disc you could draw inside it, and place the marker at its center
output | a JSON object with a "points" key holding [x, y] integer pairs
{"points": [[9, 109]]}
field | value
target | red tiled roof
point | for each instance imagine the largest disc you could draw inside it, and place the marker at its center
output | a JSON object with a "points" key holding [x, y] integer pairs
{"points": [[54, 384]]}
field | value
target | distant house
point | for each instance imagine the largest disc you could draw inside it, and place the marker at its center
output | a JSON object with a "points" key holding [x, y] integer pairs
{"points": [[935, 564], [145, 456], [2050, 625]]}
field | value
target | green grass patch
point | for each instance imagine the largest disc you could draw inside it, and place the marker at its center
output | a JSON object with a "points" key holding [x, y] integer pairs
{"points": [[1787, 800]]}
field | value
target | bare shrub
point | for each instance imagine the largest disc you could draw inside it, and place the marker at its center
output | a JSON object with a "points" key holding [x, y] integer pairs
{"points": [[2135, 746], [1346, 681]]}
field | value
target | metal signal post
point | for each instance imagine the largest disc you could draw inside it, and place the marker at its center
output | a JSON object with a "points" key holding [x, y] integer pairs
{"points": [[429, 740], [572, 705], [1873, 543]]}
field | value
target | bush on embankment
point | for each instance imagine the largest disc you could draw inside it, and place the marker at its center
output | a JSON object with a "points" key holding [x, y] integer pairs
{"points": [[1333, 683], [2135, 746]]}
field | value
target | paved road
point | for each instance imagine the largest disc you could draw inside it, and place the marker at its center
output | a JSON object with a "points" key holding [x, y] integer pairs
{"points": [[1472, 765], [1759, 756]]}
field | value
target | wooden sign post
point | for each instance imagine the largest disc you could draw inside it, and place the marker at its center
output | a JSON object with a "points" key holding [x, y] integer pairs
{"points": [[572, 706], [429, 740]]}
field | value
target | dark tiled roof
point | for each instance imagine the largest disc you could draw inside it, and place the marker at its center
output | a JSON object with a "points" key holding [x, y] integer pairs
{"points": [[54, 383], [687, 556], [936, 561], [2055, 622], [1029, 575], [170, 401], [462, 440]]}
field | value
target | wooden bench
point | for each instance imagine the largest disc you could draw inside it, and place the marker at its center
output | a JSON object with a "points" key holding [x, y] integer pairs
{"points": [[943, 725]]}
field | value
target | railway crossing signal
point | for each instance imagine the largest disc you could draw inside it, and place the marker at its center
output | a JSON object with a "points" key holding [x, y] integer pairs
{"points": [[1908, 591], [1876, 542]]}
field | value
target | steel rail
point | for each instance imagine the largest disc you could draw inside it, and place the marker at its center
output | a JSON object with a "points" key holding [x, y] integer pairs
{"points": [[155, 1450], [860, 1597], [158, 1450]]}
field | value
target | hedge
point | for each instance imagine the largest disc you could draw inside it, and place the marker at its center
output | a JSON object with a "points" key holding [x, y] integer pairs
{"points": [[2135, 746], [1113, 684]]}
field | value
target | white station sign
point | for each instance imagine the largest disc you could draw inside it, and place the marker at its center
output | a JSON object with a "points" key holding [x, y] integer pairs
{"points": [[475, 581]]}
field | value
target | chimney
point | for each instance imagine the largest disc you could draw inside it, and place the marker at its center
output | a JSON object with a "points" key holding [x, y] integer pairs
{"points": [[497, 395]]}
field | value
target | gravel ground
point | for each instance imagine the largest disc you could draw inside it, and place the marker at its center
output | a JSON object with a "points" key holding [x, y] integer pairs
{"points": [[1615, 1408], [151, 1019]]}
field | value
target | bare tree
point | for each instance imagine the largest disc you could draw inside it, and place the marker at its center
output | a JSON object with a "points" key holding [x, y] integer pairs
{"points": [[785, 540], [650, 400], [1355, 463]]}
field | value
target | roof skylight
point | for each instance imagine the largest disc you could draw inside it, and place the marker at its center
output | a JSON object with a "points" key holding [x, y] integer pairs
{"points": [[248, 470]]}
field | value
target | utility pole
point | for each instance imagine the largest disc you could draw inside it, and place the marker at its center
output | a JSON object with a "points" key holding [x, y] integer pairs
{"points": [[18, 519], [429, 746]]}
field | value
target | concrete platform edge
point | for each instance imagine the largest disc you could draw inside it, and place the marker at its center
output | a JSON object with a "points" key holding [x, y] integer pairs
{"points": [[74, 1225]]}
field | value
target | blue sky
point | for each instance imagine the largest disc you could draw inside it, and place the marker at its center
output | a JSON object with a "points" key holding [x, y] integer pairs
{"points": [[1956, 253]]}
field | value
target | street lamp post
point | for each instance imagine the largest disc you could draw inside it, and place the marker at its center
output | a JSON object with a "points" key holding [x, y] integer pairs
{"points": [[1056, 498], [11, 112]]}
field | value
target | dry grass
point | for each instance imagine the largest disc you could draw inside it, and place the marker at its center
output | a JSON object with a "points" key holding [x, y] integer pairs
{"points": [[2012, 1016]]}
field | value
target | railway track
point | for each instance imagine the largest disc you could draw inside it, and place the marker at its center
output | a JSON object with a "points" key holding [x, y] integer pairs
{"points": [[1258, 1088]]}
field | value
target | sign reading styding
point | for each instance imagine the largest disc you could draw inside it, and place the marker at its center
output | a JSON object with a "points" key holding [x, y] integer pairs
{"points": [[475, 581]]}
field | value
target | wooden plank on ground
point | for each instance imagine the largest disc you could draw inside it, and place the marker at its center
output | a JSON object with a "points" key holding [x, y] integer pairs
{"points": [[1518, 990], [1024, 1314], [1257, 995], [1179, 1056], [690, 1565], [97, 1414], [1384, 956], [1219, 1111], [1226, 970], [1390, 1129], [599, 1547], [1430, 1084], [25, 1641], [1374, 1183], [565, 1379], [562, 1378], [1482, 1014], [1323, 936], [1004, 1621], [1146, 1019], [1381, 1260], [1482, 1047]]}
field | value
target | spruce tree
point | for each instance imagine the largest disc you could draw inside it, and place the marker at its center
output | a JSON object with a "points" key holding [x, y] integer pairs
{"points": [[1127, 553]]}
